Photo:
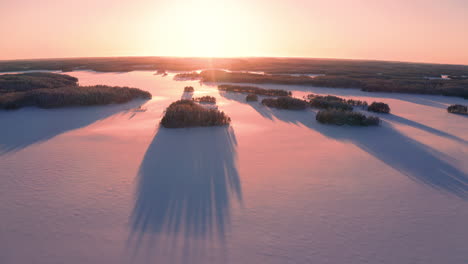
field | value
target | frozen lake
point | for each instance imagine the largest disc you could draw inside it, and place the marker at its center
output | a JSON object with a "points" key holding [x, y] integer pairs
{"points": [[106, 185]]}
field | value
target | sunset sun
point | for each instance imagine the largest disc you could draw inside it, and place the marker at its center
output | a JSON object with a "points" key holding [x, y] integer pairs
{"points": [[209, 28]]}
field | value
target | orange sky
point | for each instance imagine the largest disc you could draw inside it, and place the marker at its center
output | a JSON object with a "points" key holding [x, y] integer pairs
{"points": [[403, 30]]}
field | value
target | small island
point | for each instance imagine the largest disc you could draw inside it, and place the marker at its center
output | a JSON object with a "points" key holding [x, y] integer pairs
{"points": [[458, 109], [379, 107], [187, 113]]}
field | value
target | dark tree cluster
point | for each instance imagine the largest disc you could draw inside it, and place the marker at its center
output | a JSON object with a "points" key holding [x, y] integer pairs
{"points": [[187, 76], [35, 80], [205, 99], [71, 96], [379, 107], [253, 90], [51, 90], [336, 110], [189, 89], [328, 102], [285, 102], [251, 98], [356, 102], [340, 117], [332, 98], [187, 113], [458, 109]]}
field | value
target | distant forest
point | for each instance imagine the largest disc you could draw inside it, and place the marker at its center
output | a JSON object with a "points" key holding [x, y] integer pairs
{"points": [[372, 76]]}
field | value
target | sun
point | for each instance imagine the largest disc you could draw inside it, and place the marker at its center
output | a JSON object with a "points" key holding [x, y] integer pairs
{"points": [[208, 28]]}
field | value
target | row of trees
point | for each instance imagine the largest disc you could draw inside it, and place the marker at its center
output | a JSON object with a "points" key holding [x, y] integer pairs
{"points": [[340, 117], [285, 102], [253, 90]]}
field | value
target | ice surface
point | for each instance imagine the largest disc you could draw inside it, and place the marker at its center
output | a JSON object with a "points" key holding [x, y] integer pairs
{"points": [[107, 185]]}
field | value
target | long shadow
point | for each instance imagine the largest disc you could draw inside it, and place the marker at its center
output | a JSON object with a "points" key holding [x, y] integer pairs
{"points": [[418, 161], [29, 126], [411, 123], [186, 183]]}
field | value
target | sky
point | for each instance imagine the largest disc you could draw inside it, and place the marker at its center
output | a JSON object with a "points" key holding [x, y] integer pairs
{"points": [[396, 30]]}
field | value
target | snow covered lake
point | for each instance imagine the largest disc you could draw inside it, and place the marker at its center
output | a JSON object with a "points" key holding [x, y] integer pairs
{"points": [[106, 185]]}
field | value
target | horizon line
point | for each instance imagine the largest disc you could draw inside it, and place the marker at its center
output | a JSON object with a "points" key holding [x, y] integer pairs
{"points": [[232, 57]]}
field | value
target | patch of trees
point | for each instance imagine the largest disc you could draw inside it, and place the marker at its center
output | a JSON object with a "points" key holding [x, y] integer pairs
{"points": [[187, 76], [379, 107], [189, 89], [51, 90], [356, 102], [71, 96], [333, 102], [253, 90], [328, 102], [251, 98], [323, 104], [285, 102], [35, 80], [205, 99], [458, 109], [338, 111], [187, 113], [340, 117]]}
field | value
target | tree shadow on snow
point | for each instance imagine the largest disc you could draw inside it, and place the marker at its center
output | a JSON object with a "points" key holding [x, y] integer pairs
{"points": [[186, 183], [410, 157], [31, 125], [414, 124]]}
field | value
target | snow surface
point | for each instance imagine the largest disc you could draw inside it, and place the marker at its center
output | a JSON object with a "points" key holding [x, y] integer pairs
{"points": [[106, 185]]}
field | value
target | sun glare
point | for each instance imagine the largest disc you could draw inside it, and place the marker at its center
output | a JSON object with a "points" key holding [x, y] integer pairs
{"points": [[209, 28]]}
